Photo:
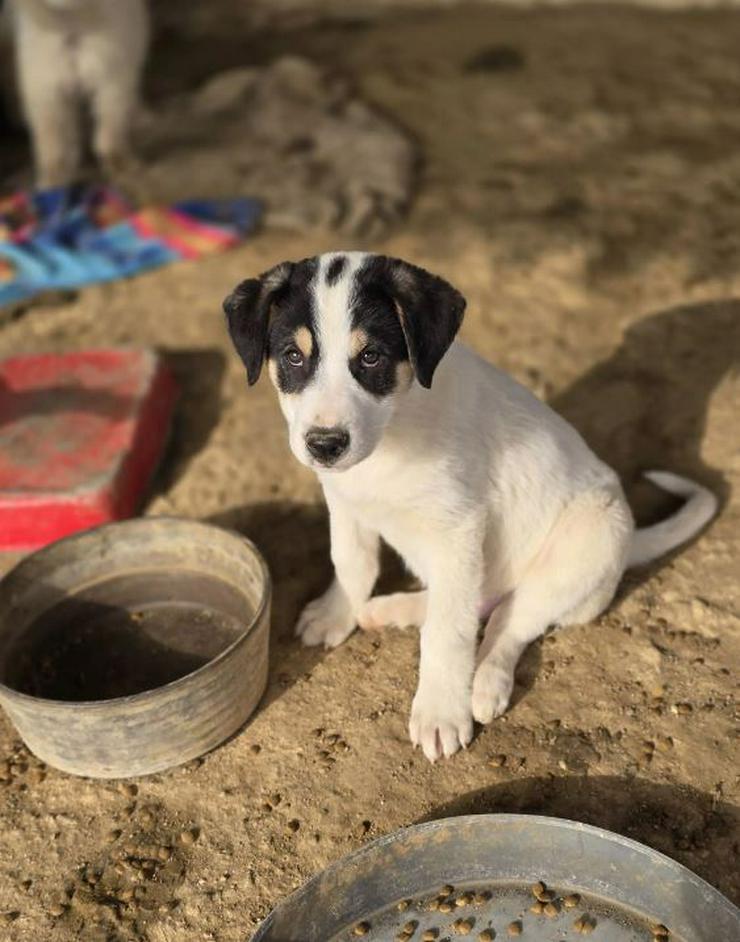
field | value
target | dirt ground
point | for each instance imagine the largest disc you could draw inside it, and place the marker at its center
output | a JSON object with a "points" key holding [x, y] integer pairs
{"points": [[581, 185]]}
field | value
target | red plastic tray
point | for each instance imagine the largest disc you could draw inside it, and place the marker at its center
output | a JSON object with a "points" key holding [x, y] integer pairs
{"points": [[80, 438]]}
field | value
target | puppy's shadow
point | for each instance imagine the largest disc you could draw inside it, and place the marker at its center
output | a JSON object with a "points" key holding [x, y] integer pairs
{"points": [[645, 407], [294, 539], [691, 826]]}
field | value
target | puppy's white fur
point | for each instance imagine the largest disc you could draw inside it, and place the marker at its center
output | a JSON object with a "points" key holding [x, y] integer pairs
{"points": [[72, 54], [493, 500]]}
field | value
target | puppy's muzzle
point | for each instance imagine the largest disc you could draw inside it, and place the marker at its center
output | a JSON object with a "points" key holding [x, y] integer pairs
{"points": [[327, 445]]}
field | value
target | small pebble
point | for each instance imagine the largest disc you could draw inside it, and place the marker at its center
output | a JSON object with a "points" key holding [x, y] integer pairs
{"points": [[402, 906], [463, 926], [114, 835], [537, 908], [189, 837], [498, 761], [126, 895], [684, 708], [128, 789], [465, 899], [429, 935], [57, 909], [410, 927], [551, 909], [446, 890], [445, 907], [164, 853], [571, 901], [660, 932], [255, 748], [362, 928], [294, 825], [9, 917], [488, 935], [514, 928]]}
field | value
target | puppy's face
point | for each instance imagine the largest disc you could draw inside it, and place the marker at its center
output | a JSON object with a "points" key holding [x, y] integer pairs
{"points": [[344, 335]]}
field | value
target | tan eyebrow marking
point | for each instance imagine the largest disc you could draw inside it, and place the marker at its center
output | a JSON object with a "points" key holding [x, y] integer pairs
{"points": [[357, 341], [304, 341]]}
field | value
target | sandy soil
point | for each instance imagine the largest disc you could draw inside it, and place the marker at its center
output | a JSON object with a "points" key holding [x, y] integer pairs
{"points": [[580, 185]]}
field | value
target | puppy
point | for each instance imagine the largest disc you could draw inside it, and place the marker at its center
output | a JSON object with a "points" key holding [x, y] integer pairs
{"points": [[492, 499], [72, 54]]}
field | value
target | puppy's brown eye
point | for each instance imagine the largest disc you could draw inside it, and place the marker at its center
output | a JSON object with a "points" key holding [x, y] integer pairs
{"points": [[370, 358], [294, 357]]}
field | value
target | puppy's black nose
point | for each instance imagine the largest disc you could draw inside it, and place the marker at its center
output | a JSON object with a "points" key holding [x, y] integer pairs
{"points": [[327, 445]]}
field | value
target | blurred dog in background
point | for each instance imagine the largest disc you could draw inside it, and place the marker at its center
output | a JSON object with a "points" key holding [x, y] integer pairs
{"points": [[74, 56]]}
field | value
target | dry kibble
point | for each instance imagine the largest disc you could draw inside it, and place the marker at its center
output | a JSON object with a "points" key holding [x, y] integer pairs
{"points": [[402, 906], [546, 896], [410, 927], [571, 901], [538, 889], [514, 928], [164, 853], [463, 926], [189, 837], [447, 890], [684, 708], [537, 908], [402, 936], [488, 935], [660, 932], [482, 897], [429, 935], [57, 909], [465, 899], [445, 907], [498, 761], [551, 909], [362, 928], [128, 789]]}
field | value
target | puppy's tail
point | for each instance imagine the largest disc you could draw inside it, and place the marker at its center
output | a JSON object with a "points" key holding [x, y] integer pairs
{"points": [[701, 505]]}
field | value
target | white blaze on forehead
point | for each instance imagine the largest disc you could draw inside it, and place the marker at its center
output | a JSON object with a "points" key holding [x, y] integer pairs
{"points": [[333, 314]]}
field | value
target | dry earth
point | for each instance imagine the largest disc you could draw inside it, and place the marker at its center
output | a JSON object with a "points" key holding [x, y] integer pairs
{"points": [[581, 185]]}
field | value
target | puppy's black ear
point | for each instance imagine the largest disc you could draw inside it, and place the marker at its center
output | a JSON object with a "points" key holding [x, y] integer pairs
{"points": [[247, 311], [429, 308]]}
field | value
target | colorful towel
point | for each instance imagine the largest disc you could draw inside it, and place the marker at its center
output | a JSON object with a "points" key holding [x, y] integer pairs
{"points": [[78, 235]]}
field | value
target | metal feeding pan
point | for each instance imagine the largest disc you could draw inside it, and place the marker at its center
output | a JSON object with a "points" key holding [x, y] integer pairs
{"points": [[135, 646], [478, 876]]}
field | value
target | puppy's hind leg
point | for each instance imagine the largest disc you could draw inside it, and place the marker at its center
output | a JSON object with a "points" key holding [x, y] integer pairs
{"points": [[572, 578], [400, 610]]}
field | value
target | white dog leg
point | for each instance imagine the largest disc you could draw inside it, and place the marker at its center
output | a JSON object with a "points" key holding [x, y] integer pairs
{"points": [[332, 617], [441, 718], [114, 105], [54, 122], [400, 610], [574, 575]]}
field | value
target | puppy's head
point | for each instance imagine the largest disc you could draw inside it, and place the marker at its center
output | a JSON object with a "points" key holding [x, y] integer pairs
{"points": [[344, 335]]}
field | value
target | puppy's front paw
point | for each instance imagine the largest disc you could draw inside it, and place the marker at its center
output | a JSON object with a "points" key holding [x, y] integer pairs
{"points": [[441, 721], [328, 620], [492, 687]]}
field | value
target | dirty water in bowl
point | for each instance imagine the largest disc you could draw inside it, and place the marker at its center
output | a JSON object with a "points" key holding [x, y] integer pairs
{"points": [[126, 635]]}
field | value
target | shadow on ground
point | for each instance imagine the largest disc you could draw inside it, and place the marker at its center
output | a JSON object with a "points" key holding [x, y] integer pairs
{"points": [[199, 375], [699, 830]]}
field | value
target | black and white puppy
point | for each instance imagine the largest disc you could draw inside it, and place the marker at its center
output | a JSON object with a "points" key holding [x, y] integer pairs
{"points": [[492, 499]]}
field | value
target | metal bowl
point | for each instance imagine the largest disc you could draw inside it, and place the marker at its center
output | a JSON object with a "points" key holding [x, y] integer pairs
{"points": [[484, 867], [134, 647]]}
